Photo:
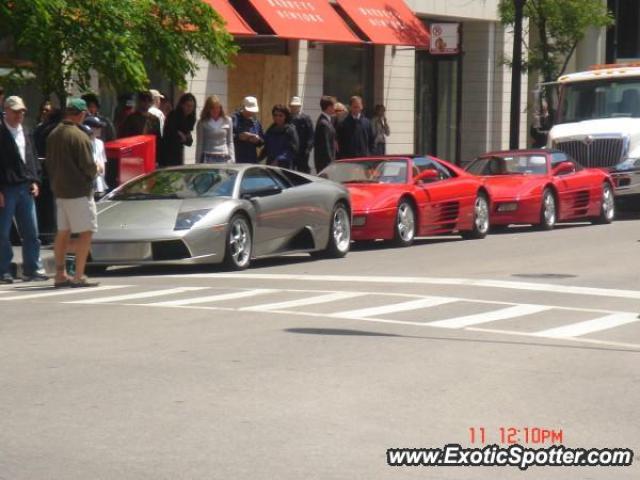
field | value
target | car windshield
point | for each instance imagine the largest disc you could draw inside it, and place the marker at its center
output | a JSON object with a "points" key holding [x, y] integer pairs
{"points": [[188, 183], [509, 165], [367, 171], [601, 99]]}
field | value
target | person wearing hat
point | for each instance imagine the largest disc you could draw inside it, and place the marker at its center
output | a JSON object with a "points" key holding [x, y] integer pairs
{"points": [[19, 179], [247, 131], [155, 107], [304, 128], [72, 170], [93, 109], [96, 126]]}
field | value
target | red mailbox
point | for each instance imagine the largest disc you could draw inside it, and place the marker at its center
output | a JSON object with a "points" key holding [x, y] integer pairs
{"points": [[129, 157]]}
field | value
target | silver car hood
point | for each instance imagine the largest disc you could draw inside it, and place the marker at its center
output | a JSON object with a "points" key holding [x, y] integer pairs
{"points": [[139, 218]]}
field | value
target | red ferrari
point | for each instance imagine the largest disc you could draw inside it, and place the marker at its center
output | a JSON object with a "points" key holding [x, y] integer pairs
{"points": [[543, 187], [400, 197]]}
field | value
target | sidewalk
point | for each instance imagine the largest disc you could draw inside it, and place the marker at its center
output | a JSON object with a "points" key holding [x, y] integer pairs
{"points": [[46, 253]]}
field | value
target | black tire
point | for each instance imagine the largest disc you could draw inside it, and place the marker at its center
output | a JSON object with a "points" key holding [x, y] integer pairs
{"points": [[239, 243], [608, 207], [548, 210], [480, 219], [404, 228], [339, 234]]}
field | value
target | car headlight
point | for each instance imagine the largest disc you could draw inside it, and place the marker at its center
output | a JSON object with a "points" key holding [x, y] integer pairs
{"points": [[186, 220], [628, 164]]}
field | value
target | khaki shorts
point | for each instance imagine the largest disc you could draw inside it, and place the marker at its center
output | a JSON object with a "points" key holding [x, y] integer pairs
{"points": [[77, 214]]}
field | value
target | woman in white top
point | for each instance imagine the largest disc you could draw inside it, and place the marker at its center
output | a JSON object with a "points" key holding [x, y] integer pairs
{"points": [[214, 134]]}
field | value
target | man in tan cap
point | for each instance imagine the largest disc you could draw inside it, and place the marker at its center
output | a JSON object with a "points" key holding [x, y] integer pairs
{"points": [[155, 108], [247, 131], [304, 129], [19, 177]]}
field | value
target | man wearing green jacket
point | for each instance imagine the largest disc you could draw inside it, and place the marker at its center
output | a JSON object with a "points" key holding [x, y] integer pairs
{"points": [[72, 170]]}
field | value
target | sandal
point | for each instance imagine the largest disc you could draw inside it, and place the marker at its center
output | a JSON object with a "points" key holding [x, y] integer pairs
{"points": [[83, 283], [63, 284]]}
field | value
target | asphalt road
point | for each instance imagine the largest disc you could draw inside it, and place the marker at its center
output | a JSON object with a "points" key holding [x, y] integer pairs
{"points": [[313, 369]]}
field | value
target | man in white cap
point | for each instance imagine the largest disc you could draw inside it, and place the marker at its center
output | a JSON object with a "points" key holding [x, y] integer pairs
{"points": [[155, 108], [247, 131], [19, 178], [304, 128]]}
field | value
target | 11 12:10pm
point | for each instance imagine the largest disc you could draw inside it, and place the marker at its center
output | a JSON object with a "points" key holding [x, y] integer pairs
{"points": [[512, 435]]}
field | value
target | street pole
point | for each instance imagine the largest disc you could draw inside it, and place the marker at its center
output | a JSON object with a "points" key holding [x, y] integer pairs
{"points": [[516, 77]]}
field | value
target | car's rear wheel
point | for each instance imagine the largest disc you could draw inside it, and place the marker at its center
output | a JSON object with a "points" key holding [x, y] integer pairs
{"points": [[608, 207], [239, 243], [480, 219], [548, 210], [405, 225], [339, 234]]}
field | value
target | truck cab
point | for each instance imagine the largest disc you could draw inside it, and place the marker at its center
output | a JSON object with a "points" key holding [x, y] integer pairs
{"points": [[597, 122]]}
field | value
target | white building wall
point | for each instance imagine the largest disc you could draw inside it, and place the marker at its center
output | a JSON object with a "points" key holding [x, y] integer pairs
{"points": [[209, 80], [308, 69], [457, 9]]}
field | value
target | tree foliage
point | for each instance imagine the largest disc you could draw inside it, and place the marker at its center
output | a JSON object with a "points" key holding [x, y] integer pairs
{"points": [[560, 25], [66, 39]]}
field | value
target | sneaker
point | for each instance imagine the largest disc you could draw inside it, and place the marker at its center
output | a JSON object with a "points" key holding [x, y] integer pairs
{"points": [[6, 278], [35, 277]]}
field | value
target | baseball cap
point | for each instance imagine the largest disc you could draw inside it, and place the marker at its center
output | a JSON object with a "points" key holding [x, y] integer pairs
{"points": [[77, 104], [14, 103], [250, 104], [295, 102], [155, 93]]}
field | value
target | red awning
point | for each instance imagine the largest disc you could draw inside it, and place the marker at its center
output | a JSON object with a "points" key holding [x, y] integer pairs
{"points": [[305, 20], [387, 22], [235, 23]]}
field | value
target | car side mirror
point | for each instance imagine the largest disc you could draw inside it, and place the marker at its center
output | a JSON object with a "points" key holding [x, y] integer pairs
{"points": [[426, 175], [260, 192], [563, 168]]}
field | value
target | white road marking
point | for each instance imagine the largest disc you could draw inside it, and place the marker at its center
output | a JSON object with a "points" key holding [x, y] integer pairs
{"points": [[476, 319], [213, 298], [131, 296], [424, 302], [329, 297], [62, 291], [589, 326], [528, 286]]}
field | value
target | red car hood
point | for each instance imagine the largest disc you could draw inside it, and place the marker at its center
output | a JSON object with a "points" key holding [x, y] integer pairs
{"points": [[501, 186], [374, 196]]}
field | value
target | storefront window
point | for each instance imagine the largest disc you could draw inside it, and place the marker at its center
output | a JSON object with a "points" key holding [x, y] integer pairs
{"points": [[348, 71], [623, 41]]}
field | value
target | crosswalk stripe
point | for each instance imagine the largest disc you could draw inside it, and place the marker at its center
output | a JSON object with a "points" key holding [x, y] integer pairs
{"points": [[394, 307], [330, 297], [213, 298], [501, 314], [132, 296], [589, 326], [65, 291]]}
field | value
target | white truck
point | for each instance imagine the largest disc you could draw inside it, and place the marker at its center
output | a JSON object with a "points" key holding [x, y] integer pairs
{"points": [[597, 122]]}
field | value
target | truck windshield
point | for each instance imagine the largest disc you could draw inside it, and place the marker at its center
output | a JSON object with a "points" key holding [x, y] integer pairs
{"points": [[606, 98]]}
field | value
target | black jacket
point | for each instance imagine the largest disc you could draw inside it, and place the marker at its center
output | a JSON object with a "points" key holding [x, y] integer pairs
{"points": [[304, 129], [324, 143], [13, 170], [355, 137]]}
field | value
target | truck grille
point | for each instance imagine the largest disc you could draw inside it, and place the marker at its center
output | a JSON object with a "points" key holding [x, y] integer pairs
{"points": [[600, 152]]}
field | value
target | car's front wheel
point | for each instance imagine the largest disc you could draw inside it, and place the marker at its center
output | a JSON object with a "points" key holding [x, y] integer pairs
{"points": [[339, 234], [405, 225], [548, 210], [608, 207], [239, 244], [480, 219]]}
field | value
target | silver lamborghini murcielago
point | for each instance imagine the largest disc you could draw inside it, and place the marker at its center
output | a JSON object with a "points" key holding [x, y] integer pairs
{"points": [[213, 213]]}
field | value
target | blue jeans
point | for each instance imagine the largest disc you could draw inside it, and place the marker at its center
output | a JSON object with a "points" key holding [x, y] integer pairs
{"points": [[19, 203]]}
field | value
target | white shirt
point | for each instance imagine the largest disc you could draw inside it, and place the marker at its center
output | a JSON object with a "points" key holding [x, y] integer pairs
{"points": [[156, 112], [100, 157], [18, 136]]}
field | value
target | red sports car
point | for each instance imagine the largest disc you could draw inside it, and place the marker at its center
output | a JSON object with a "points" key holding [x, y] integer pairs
{"points": [[400, 197], [542, 187]]}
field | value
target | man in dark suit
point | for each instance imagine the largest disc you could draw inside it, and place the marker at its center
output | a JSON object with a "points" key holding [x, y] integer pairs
{"points": [[355, 135], [324, 140], [19, 177]]}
